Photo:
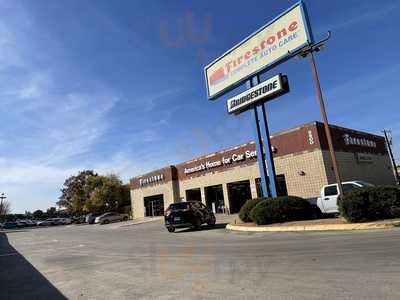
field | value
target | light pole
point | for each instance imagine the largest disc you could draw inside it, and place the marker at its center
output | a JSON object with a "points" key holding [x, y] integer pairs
{"points": [[309, 52], [2, 197]]}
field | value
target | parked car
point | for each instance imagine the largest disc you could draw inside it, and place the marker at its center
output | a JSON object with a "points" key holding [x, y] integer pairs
{"points": [[25, 223], [30, 222], [49, 222], [78, 219], [9, 225], [57, 221], [188, 214], [111, 217], [327, 202], [90, 218], [21, 223], [65, 221]]}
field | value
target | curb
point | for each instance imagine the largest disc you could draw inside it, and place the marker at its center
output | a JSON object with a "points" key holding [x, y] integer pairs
{"points": [[325, 227]]}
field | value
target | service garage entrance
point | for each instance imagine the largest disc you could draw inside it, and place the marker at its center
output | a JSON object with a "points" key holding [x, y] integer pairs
{"points": [[154, 205], [238, 192], [193, 195], [215, 198]]}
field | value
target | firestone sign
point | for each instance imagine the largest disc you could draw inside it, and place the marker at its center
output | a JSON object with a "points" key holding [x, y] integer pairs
{"points": [[267, 47]]}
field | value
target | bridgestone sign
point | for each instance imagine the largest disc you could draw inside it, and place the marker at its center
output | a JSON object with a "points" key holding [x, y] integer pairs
{"points": [[264, 91], [270, 45]]}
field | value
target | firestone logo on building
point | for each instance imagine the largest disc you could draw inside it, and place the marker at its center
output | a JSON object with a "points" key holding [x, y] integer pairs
{"points": [[151, 179], [349, 140], [263, 49]]}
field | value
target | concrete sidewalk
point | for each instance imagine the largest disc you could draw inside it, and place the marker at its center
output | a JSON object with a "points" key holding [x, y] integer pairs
{"points": [[141, 221], [132, 222], [314, 225], [222, 218]]}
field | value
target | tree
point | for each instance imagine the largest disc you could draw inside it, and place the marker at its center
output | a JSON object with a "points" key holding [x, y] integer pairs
{"points": [[38, 214], [126, 195], [51, 212], [5, 207], [75, 193], [107, 193]]}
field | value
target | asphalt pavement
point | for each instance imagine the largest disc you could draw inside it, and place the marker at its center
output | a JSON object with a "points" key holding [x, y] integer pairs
{"points": [[147, 262]]}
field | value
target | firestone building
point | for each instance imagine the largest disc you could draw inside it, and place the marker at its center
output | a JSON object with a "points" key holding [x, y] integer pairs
{"points": [[224, 180]]}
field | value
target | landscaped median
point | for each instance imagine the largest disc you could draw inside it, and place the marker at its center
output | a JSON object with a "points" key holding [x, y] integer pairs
{"points": [[314, 225], [363, 208]]}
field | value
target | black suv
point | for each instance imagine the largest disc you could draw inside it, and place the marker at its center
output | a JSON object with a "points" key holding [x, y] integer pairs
{"points": [[188, 214]]}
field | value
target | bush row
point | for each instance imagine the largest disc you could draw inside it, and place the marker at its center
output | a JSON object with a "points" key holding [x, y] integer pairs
{"points": [[359, 205], [281, 209], [244, 213], [369, 204]]}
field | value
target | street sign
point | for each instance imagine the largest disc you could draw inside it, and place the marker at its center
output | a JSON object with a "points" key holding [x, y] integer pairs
{"points": [[267, 90], [272, 44]]}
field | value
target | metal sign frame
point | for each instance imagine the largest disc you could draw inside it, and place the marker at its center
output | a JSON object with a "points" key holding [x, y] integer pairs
{"points": [[271, 65]]}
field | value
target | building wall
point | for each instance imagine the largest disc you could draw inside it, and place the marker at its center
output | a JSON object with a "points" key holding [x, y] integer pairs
{"points": [[378, 171], [239, 173], [304, 172], [301, 154], [137, 196], [309, 163]]}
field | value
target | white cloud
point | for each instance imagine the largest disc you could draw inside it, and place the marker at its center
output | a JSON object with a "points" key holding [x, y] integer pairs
{"points": [[360, 16], [31, 185], [150, 101], [51, 125]]}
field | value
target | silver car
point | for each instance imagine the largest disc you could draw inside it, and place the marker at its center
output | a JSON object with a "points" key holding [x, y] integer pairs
{"points": [[111, 217], [47, 222]]}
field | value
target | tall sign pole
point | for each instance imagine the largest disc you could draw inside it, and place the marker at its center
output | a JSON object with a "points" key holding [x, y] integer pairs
{"points": [[263, 142], [259, 144], [268, 153], [324, 117]]}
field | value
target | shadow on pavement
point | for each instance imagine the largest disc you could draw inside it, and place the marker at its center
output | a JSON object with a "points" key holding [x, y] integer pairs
{"points": [[19, 279], [205, 228]]}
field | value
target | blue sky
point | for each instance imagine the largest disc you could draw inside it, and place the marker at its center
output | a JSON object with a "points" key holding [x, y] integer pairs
{"points": [[118, 86]]}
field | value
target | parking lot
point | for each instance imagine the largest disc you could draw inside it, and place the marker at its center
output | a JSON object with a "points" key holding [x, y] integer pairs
{"points": [[146, 262]]}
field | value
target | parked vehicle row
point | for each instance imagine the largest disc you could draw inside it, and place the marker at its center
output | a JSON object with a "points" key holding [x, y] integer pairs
{"points": [[105, 218], [31, 223]]}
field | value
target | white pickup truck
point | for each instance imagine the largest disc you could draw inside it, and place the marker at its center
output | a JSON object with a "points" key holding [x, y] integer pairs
{"points": [[327, 202]]}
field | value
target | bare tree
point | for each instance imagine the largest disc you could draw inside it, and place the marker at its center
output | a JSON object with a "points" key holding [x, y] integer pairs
{"points": [[5, 208]]}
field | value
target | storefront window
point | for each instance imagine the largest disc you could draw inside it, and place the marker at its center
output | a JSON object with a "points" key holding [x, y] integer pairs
{"points": [[281, 189]]}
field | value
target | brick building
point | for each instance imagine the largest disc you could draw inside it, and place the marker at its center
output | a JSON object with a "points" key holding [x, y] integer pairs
{"points": [[224, 180]]}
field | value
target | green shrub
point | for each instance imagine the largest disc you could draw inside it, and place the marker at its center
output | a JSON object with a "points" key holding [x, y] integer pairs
{"points": [[282, 209], [369, 204], [244, 213]]}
